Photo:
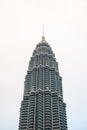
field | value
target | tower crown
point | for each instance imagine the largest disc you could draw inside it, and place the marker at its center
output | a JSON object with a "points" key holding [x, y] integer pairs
{"points": [[43, 55], [43, 48], [43, 42]]}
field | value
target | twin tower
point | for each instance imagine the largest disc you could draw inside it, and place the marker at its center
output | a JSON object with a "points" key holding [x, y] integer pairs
{"points": [[42, 107]]}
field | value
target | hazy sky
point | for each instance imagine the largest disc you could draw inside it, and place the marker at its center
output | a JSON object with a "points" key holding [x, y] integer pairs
{"points": [[65, 24]]}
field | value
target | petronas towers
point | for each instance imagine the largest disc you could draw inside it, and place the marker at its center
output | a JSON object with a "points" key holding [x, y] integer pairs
{"points": [[42, 107]]}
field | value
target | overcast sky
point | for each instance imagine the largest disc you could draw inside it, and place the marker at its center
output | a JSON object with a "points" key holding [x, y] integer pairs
{"points": [[65, 23]]}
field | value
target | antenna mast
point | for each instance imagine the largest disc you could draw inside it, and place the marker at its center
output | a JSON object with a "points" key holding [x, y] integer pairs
{"points": [[43, 37]]}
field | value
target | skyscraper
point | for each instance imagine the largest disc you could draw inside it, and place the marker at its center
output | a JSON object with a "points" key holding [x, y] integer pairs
{"points": [[42, 107]]}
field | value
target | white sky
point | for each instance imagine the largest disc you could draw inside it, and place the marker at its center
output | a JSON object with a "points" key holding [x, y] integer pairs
{"points": [[65, 24]]}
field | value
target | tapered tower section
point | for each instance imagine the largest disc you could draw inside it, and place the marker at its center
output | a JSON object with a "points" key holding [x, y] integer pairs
{"points": [[42, 107]]}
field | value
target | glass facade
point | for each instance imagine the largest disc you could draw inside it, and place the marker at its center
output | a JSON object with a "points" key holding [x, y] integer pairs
{"points": [[42, 107]]}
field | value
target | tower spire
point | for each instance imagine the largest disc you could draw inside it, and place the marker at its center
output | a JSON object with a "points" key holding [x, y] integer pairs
{"points": [[43, 30], [43, 37]]}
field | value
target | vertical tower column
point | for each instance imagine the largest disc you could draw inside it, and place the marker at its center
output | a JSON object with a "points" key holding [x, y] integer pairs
{"points": [[42, 107]]}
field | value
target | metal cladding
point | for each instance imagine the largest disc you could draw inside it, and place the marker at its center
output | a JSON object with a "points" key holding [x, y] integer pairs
{"points": [[42, 107]]}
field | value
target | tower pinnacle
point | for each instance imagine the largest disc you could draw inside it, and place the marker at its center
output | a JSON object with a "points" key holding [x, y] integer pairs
{"points": [[43, 37]]}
